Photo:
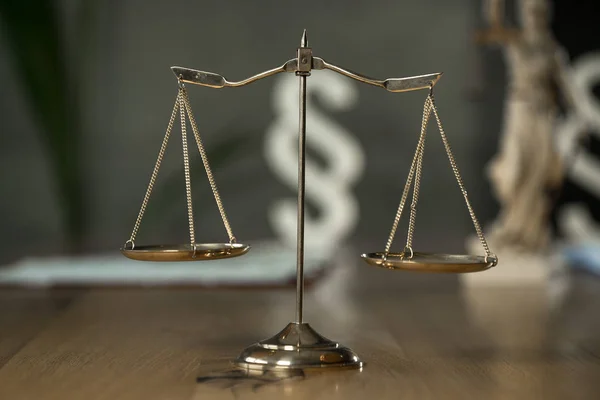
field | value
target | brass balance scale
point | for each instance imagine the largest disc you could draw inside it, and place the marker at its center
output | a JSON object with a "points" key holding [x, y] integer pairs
{"points": [[299, 346]]}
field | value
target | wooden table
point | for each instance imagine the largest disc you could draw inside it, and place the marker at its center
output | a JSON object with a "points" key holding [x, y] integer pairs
{"points": [[421, 338]]}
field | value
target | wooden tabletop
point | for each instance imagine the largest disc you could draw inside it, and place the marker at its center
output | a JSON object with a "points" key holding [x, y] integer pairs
{"points": [[421, 338]]}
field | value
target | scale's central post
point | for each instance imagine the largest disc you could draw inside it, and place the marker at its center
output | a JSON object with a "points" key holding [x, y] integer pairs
{"points": [[304, 67], [298, 345]]}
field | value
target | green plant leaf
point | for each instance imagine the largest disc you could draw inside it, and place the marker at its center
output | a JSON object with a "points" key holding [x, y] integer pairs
{"points": [[32, 32]]}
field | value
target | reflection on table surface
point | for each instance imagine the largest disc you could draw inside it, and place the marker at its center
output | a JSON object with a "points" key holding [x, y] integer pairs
{"points": [[421, 336]]}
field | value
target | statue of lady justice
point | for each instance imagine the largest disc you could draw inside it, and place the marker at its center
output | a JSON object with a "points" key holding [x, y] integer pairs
{"points": [[525, 174], [528, 170]]}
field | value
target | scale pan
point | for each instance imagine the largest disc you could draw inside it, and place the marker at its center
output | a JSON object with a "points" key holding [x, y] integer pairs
{"points": [[430, 262], [185, 252]]}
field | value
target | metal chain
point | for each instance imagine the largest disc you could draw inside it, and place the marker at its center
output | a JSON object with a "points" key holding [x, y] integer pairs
{"points": [[209, 174], [159, 159], [426, 111], [478, 229], [186, 165], [417, 179]]}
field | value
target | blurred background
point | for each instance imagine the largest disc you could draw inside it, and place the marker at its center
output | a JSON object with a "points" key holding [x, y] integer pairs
{"points": [[87, 93]]}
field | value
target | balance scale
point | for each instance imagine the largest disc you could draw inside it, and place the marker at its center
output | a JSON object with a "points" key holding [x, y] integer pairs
{"points": [[298, 345]]}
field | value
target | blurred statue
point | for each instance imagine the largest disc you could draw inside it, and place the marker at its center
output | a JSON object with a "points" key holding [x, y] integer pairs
{"points": [[528, 170]]}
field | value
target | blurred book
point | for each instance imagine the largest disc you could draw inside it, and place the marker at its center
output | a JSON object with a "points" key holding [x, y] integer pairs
{"points": [[584, 256], [267, 264]]}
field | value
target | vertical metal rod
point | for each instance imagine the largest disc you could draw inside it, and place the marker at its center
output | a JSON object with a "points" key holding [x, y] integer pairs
{"points": [[301, 182]]}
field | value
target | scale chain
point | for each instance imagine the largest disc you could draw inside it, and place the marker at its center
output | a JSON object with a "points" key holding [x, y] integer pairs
{"points": [[426, 111], [459, 180], [418, 172], [209, 174], [182, 104], [415, 171], [186, 166], [157, 165]]}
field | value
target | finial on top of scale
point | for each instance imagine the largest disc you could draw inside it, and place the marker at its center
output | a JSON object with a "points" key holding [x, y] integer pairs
{"points": [[304, 40]]}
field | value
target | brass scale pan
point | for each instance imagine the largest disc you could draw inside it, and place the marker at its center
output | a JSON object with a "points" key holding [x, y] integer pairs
{"points": [[186, 252], [430, 262]]}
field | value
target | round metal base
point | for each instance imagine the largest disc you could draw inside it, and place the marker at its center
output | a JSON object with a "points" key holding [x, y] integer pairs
{"points": [[185, 252], [431, 262], [298, 346]]}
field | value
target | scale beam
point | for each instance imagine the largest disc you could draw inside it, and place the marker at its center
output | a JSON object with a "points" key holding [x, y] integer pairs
{"points": [[217, 81], [396, 85]]}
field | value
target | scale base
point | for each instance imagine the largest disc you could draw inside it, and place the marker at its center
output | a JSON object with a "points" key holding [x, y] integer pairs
{"points": [[297, 347]]}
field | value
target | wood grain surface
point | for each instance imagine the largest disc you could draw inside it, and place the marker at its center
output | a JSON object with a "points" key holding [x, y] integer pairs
{"points": [[420, 339]]}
